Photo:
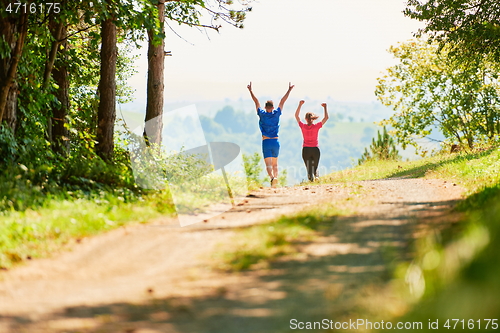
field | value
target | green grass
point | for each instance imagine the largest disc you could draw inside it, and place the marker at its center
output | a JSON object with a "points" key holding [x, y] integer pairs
{"points": [[384, 169], [478, 173], [474, 172], [36, 233]]}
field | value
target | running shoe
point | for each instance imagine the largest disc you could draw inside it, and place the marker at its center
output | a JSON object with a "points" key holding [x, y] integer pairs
{"points": [[274, 182]]}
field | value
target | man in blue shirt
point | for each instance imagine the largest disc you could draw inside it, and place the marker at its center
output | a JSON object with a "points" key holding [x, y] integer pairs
{"points": [[269, 126]]}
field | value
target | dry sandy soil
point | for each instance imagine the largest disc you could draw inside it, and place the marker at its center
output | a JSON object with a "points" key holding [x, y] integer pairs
{"points": [[159, 277]]}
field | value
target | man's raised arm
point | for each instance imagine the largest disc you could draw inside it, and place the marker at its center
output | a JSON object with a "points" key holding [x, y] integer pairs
{"points": [[255, 100], [283, 100]]}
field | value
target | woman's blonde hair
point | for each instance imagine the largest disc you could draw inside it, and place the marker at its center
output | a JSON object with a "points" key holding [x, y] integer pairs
{"points": [[310, 117]]}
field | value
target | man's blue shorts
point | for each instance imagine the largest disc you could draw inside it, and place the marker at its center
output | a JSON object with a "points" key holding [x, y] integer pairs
{"points": [[270, 148]]}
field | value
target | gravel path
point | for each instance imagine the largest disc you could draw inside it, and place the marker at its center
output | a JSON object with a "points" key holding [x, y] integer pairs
{"points": [[156, 277]]}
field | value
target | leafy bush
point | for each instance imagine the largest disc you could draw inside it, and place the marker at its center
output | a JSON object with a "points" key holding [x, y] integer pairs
{"points": [[253, 169]]}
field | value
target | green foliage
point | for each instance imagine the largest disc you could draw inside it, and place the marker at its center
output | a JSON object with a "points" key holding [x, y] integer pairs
{"points": [[428, 89], [253, 169], [82, 57], [155, 167], [8, 145], [470, 27], [382, 149]]}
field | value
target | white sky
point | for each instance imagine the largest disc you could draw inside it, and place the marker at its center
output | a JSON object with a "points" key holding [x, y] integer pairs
{"points": [[333, 48]]}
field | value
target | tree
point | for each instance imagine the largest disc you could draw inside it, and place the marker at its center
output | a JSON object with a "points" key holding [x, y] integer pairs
{"points": [[155, 84], [13, 31], [59, 130], [428, 89], [382, 149], [471, 27], [107, 90], [56, 66]]}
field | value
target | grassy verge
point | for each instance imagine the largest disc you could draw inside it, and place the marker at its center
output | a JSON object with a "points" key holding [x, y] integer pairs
{"points": [[46, 203], [53, 221], [36, 232], [474, 172], [387, 169]]}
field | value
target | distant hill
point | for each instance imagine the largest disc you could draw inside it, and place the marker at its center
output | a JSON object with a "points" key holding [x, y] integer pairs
{"points": [[356, 111]]}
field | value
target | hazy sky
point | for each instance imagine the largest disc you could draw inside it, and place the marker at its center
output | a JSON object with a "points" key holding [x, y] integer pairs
{"points": [[333, 48]]}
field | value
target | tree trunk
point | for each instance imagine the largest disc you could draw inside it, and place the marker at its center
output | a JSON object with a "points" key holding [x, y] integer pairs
{"points": [[10, 113], [13, 31], [60, 113], [58, 31], [106, 113], [56, 129], [155, 85]]}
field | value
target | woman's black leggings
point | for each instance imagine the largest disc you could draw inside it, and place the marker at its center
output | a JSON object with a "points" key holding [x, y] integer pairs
{"points": [[311, 155]]}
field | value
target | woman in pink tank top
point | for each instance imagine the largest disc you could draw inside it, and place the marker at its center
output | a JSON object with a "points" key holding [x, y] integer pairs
{"points": [[310, 147]]}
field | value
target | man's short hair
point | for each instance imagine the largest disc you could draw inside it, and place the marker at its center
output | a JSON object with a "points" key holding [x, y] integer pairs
{"points": [[269, 104]]}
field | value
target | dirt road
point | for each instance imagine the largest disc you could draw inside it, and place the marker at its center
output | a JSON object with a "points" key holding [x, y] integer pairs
{"points": [[158, 277]]}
